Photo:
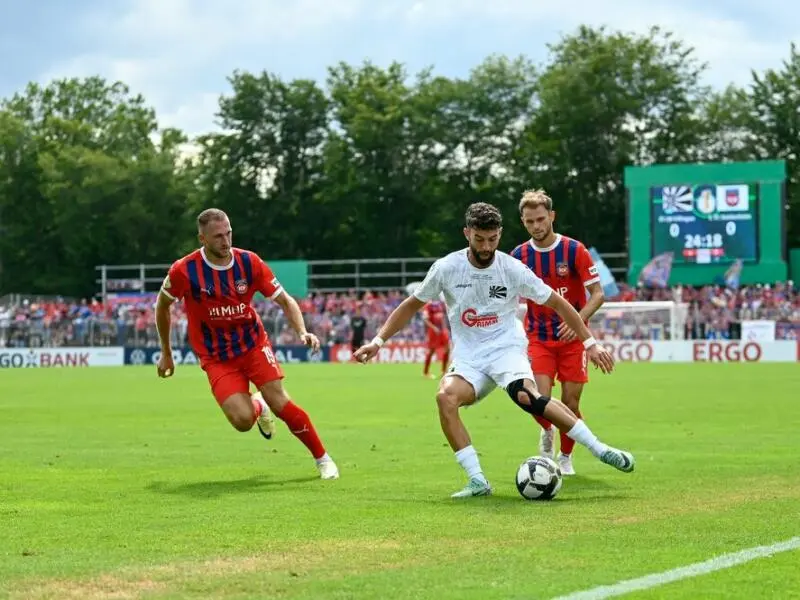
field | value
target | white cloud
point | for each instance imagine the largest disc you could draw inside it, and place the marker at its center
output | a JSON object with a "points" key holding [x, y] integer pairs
{"points": [[178, 53]]}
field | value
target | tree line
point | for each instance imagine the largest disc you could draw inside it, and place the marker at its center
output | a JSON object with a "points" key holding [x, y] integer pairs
{"points": [[373, 162]]}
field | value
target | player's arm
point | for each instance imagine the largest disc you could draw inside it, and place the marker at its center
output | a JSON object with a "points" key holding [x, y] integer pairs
{"points": [[399, 318], [595, 301], [534, 288], [429, 289], [570, 316], [269, 285], [164, 321], [590, 278], [293, 313], [173, 287]]}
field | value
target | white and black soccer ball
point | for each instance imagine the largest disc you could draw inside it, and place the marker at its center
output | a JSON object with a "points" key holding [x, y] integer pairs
{"points": [[539, 478]]}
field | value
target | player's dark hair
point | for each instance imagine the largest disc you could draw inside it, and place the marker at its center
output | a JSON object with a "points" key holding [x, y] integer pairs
{"points": [[208, 215], [483, 216]]}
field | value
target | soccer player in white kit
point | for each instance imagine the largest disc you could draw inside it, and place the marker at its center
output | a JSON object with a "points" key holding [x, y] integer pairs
{"points": [[482, 288]]}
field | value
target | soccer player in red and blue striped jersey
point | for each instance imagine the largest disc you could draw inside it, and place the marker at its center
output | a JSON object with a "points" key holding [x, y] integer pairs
{"points": [[217, 283], [566, 266]]}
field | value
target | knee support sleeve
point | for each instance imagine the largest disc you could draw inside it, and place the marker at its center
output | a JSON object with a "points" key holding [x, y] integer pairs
{"points": [[537, 404]]}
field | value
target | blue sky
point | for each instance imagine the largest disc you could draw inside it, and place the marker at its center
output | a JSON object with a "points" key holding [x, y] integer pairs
{"points": [[178, 53]]}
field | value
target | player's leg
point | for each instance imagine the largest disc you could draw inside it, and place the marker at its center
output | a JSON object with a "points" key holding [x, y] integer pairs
{"points": [[570, 396], [543, 365], [463, 387], [231, 390], [265, 372], [513, 373], [445, 343], [431, 350], [573, 375], [264, 420]]}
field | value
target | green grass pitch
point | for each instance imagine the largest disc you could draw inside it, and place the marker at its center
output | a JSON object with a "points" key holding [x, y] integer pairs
{"points": [[115, 484]]}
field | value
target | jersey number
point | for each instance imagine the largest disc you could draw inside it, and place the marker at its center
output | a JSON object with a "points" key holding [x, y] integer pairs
{"points": [[268, 353]]}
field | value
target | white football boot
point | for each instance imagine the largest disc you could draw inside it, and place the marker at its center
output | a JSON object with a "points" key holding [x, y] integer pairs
{"points": [[265, 422], [565, 464], [546, 442], [619, 459], [327, 468], [475, 487]]}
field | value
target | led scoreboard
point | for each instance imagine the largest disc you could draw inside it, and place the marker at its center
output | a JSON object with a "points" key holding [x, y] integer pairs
{"points": [[705, 223], [707, 215]]}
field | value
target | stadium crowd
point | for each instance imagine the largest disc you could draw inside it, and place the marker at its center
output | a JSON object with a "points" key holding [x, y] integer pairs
{"points": [[714, 312]]}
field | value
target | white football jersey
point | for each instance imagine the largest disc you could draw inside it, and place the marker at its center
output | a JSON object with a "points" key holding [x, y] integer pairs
{"points": [[482, 303]]}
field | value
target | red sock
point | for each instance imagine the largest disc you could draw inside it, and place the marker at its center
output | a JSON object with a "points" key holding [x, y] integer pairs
{"points": [[428, 359], [567, 443], [300, 425], [543, 422], [445, 360]]}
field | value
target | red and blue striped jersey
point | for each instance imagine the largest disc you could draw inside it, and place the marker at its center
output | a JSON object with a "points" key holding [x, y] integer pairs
{"points": [[222, 323], [568, 268]]}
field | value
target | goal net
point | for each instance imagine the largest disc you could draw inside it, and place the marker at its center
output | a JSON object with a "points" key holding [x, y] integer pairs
{"points": [[656, 320]]}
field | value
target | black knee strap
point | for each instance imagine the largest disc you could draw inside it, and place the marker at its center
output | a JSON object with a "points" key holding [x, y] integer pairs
{"points": [[536, 406]]}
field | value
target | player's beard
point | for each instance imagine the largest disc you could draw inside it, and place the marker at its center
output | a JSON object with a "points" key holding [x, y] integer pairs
{"points": [[484, 262], [540, 237], [218, 255]]}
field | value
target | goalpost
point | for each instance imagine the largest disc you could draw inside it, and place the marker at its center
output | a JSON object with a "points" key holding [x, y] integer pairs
{"points": [[656, 320]]}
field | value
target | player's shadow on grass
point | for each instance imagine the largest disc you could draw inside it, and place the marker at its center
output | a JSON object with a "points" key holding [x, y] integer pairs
{"points": [[213, 489]]}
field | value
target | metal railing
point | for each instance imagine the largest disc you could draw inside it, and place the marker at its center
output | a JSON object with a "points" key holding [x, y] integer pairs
{"points": [[375, 274]]}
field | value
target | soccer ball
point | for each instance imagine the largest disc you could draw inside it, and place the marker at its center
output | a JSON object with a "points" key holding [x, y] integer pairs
{"points": [[538, 478]]}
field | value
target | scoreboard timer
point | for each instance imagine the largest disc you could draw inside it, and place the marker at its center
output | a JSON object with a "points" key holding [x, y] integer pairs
{"points": [[705, 224]]}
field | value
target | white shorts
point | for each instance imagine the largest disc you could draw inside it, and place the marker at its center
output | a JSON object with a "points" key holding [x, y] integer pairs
{"points": [[497, 371]]}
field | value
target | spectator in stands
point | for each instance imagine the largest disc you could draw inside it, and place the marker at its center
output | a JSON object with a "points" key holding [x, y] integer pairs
{"points": [[714, 312]]}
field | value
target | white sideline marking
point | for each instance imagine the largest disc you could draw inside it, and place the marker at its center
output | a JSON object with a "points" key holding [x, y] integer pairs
{"points": [[723, 561]]}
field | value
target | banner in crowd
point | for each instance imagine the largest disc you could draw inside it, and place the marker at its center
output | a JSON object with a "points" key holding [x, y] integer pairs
{"points": [[391, 352], [656, 272], [607, 281], [624, 351], [703, 351], [185, 356], [758, 331], [734, 274], [20, 358]]}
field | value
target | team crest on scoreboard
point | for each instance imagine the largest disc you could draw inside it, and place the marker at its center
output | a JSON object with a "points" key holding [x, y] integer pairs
{"points": [[562, 269], [241, 286]]}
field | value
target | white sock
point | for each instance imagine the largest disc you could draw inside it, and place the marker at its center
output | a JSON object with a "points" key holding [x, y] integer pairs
{"points": [[323, 458], [584, 436], [468, 459]]}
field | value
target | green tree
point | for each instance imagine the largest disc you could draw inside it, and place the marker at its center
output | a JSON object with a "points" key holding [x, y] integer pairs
{"points": [[774, 123], [89, 186], [607, 100], [265, 168]]}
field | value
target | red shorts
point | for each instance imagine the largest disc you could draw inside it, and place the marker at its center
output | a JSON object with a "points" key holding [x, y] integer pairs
{"points": [[567, 360], [234, 376], [438, 340]]}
